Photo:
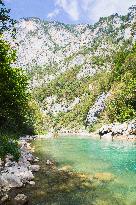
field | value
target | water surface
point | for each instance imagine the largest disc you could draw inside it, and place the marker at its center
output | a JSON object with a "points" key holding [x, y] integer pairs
{"points": [[91, 157]]}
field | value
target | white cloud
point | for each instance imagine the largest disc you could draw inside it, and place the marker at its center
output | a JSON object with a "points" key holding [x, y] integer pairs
{"points": [[92, 9], [53, 14], [70, 7], [99, 8]]}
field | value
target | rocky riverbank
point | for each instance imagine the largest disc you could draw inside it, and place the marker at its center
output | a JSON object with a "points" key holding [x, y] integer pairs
{"points": [[17, 174], [114, 131], [118, 131]]}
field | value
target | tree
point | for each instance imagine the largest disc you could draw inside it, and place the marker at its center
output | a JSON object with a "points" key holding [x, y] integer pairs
{"points": [[14, 96], [13, 91], [6, 23]]}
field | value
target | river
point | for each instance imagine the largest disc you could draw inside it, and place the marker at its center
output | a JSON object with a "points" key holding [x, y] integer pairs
{"points": [[101, 172]]}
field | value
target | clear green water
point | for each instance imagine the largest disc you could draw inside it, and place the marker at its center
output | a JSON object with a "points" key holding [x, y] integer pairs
{"points": [[92, 156]]}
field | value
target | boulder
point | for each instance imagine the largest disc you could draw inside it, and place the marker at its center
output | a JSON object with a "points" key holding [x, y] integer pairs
{"points": [[48, 162], [132, 128], [36, 159], [32, 183], [20, 199], [10, 180], [108, 136], [104, 176], [117, 129], [34, 168], [4, 199], [105, 129]]}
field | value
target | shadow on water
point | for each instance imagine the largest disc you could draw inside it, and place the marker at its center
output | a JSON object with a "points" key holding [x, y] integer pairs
{"points": [[59, 184], [59, 187]]}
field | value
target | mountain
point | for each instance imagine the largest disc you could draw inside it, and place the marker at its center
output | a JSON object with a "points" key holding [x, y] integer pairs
{"points": [[69, 65]]}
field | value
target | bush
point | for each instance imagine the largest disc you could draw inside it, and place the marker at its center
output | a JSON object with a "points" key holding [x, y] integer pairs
{"points": [[8, 145], [121, 105]]}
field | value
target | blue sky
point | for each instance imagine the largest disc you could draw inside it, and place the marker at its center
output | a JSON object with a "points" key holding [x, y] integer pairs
{"points": [[68, 11]]}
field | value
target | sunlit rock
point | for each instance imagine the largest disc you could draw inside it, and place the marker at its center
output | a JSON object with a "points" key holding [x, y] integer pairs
{"points": [[104, 176]]}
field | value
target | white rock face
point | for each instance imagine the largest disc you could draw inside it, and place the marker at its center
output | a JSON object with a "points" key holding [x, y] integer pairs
{"points": [[97, 108], [59, 46], [48, 49]]}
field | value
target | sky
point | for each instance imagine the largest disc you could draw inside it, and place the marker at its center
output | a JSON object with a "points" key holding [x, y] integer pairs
{"points": [[68, 11]]}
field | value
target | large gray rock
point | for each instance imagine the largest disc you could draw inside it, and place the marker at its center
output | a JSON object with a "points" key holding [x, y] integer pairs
{"points": [[20, 199], [105, 129], [4, 199], [126, 129], [10, 180], [34, 168]]}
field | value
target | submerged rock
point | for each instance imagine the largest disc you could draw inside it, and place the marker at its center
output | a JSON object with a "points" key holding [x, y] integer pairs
{"points": [[35, 168], [32, 183], [4, 199], [104, 176], [66, 168], [20, 199], [49, 162]]}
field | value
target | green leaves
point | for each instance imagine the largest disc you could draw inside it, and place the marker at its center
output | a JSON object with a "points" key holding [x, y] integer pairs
{"points": [[8, 145], [122, 103]]}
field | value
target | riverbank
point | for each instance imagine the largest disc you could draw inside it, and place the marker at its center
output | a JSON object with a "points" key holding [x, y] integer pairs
{"points": [[17, 174], [115, 131], [81, 170]]}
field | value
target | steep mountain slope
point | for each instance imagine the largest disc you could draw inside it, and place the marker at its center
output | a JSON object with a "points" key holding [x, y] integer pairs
{"points": [[69, 65]]}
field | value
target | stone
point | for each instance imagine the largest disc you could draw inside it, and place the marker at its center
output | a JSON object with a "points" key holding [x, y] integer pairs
{"points": [[66, 168], [104, 176], [119, 131], [20, 199], [36, 159], [32, 183], [35, 168], [107, 136], [105, 129], [132, 128], [10, 180], [4, 199], [48, 162]]}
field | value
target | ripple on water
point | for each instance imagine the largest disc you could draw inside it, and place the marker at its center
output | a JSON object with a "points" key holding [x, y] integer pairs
{"points": [[92, 157]]}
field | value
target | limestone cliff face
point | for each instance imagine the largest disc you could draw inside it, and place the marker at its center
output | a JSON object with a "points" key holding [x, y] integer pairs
{"points": [[43, 43], [52, 51]]}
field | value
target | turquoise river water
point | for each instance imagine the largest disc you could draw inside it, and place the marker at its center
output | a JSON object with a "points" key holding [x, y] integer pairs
{"points": [[90, 157]]}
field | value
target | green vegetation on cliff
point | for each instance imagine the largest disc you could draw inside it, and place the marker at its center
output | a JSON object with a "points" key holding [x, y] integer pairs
{"points": [[119, 81], [121, 105]]}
